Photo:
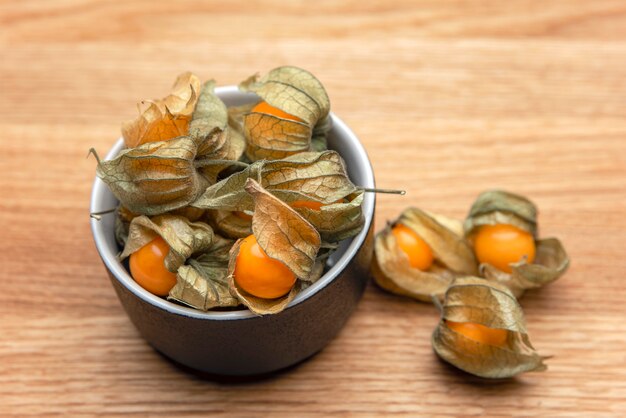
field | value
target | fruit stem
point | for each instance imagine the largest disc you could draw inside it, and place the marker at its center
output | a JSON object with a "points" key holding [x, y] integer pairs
{"points": [[92, 151], [385, 191]]}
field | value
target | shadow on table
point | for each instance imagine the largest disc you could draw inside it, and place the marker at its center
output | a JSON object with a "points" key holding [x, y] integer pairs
{"points": [[233, 380], [480, 385]]}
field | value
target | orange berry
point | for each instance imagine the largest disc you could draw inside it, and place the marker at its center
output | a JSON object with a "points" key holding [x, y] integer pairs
{"points": [[501, 245], [480, 333], [266, 108], [260, 275], [148, 269], [419, 253]]}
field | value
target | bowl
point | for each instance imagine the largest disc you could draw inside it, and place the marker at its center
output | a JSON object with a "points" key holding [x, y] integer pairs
{"points": [[239, 342]]}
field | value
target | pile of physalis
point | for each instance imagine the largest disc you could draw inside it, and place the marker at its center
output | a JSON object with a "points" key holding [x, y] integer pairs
{"points": [[222, 207], [474, 272]]}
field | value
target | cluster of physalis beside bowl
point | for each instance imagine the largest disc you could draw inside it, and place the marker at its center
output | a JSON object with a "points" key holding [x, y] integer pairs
{"points": [[222, 207], [473, 271]]}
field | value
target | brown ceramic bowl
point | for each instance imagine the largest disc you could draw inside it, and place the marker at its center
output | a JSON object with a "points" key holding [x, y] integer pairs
{"points": [[240, 342]]}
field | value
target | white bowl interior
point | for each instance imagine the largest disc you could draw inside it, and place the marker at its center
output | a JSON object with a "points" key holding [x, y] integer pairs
{"points": [[340, 139]]}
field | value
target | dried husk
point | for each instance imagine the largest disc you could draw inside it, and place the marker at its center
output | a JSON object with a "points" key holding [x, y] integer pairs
{"points": [[229, 194], [202, 283], [501, 207], [320, 132], [121, 231], [212, 169], [306, 176], [155, 177], [321, 128], [476, 300], [285, 236], [236, 115], [551, 261], [123, 217], [166, 118], [320, 176], [325, 251], [210, 128], [282, 233], [270, 137], [229, 224], [293, 90], [191, 213], [236, 142], [335, 221], [296, 92], [452, 255], [184, 238], [319, 142]]}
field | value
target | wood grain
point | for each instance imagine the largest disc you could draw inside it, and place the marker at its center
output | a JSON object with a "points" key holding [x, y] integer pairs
{"points": [[449, 98]]}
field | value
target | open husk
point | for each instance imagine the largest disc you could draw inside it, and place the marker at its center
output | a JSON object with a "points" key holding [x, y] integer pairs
{"points": [[202, 282], [296, 92], [501, 207], [184, 238], [166, 118], [282, 233], [551, 261], [452, 257], [257, 305], [123, 218], [284, 236], [197, 256], [479, 301]]}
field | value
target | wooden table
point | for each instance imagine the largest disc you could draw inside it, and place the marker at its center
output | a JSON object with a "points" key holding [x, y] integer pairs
{"points": [[449, 98]]}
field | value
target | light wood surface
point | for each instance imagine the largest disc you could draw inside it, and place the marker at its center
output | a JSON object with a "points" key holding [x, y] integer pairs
{"points": [[449, 98]]}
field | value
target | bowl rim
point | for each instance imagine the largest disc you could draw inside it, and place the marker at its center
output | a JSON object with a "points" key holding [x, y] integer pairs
{"points": [[117, 270]]}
